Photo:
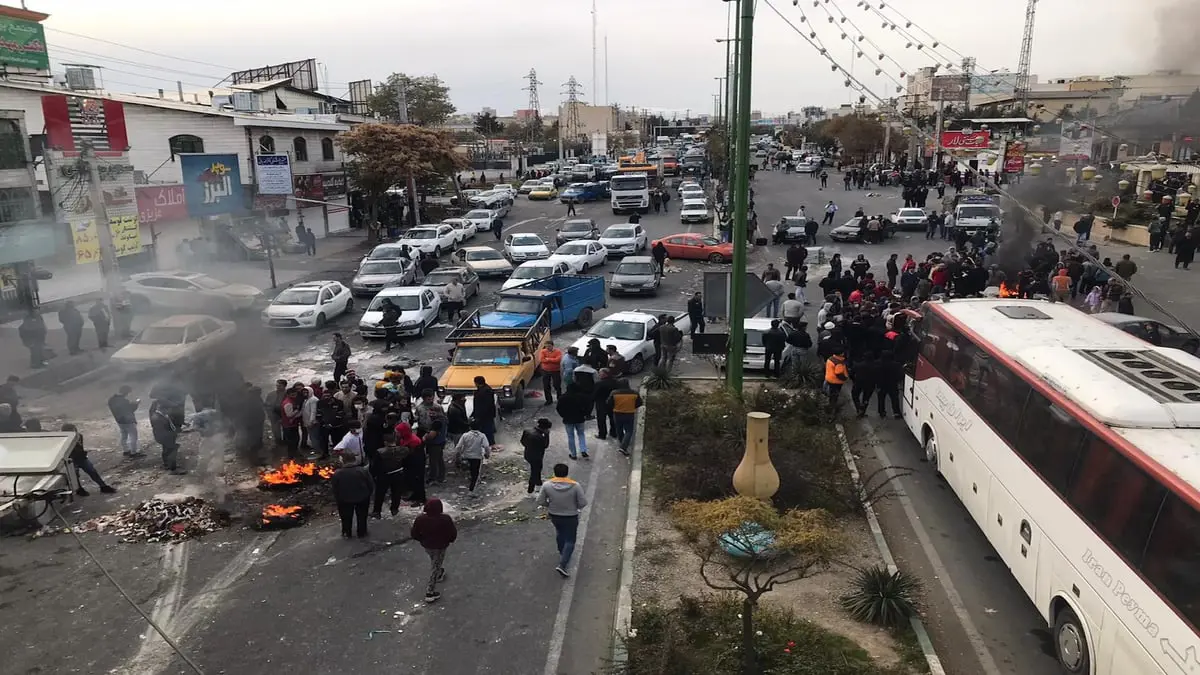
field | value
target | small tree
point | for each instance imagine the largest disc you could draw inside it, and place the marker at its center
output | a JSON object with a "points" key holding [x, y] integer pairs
{"points": [[385, 155], [818, 133], [857, 135], [426, 98], [803, 543]]}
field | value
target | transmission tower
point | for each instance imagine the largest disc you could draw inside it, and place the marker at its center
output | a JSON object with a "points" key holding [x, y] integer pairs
{"points": [[569, 128], [1022, 84], [534, 126]]}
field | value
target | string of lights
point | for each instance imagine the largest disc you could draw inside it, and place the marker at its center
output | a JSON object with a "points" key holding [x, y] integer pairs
{"points": [[858, 52], [862, 35], [909, 23], [911, 40]]}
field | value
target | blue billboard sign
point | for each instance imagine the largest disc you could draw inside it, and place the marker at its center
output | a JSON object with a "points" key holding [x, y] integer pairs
{"points": [[212, 184]]}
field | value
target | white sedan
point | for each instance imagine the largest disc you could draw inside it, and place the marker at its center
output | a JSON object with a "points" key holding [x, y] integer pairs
{"points": [[189, 291], [580, 256], [435, 239], [630, 333], [522, 247], [624, 239], [482, 219], [463, 227], [534, 269], [308, 305], [419, 308], [184, 339]]}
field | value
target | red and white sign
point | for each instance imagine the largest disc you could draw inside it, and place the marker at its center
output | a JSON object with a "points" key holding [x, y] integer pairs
{"points": [[966, 140], [1116, 201], [161, 203]]}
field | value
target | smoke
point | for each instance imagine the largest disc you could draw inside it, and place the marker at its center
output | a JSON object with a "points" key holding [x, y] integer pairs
{"points": [[1021, 231], [1176, 46]]}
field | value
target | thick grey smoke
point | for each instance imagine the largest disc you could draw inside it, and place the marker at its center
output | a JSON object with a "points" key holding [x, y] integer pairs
{"points": [[1176, 46], [1021, 231]]}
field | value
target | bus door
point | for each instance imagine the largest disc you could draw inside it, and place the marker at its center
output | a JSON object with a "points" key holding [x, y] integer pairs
{"points": [[1014, 535]]}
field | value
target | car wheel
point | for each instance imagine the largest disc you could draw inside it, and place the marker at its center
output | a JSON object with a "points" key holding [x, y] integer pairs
{"points": [[637, 365], [1070, 643], [437, 251], [716, 258], [931, 450], [584, 269], [320, 320], [585, 317], [350, 305]]}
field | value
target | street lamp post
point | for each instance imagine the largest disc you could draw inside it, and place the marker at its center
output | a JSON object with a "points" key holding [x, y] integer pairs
{"points": [[738, 230], [731, 93]]}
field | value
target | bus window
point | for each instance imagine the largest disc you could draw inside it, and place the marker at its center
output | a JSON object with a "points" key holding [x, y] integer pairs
{"points": [[1050, 440], [1116, 497], [1173, 556]]}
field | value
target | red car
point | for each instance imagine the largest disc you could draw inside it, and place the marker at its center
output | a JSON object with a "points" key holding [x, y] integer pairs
{"points": [[694, 246]]}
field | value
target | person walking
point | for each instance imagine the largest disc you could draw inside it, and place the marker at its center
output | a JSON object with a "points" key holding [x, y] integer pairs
{"points": [[1185, 250], [836, 375], [166, 434], [101, 320], [124, 413], [550, 358], [563, 499], [570, 207], [341, 357], [78, 457], [624, 402], [891, 378], [434, 530], [671, 338], [485, 409], [831, 210], [310, 240], [574, 408], [695, 310], [472, 448], [352, 486], [535, 442], [454, 297], [32, 332], [72, 323], [1125, 267]]}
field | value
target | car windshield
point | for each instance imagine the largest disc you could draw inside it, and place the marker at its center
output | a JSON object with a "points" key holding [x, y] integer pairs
{"points": [[519, 305], [527, 240], [532, 272], [207, 282], [635, 269], [577, 226], [402, 302], [160, 335], [480, 356], [440, 278], [618, 233], [478, 214], [385, 253], [421, 234], [296, 297], [531, 183], [545, 186], [618, 330], [911, 213], [978, 212], [382, 267], [572, 249], [484, 254]]}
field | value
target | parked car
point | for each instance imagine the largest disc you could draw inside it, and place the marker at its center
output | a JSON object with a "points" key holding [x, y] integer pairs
{"points": [[694, 211], [376, 275], [583, 192], [852, 230], [419, 308], [485, 261], [482, 219], [576, 229], [310, 304], [435, 239], [635, 275], [497, 200], [624, 239], [694, 246], [465, 229], [909, 218], [190, 291], [529, 185], [183, 339], [581, 256], [392, 251], [534, 269], [1152, 331], [692, 196], [632, 334], [789, 229], [544, 192], [440, 277], [525, 246]]}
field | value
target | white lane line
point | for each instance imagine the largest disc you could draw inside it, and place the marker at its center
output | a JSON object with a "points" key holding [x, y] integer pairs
{"points": [[935, 561], [559, 635], [519, 223], [174, 567]]}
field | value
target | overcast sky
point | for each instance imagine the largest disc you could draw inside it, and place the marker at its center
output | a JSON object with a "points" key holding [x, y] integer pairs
{"points": [[662, 54]]}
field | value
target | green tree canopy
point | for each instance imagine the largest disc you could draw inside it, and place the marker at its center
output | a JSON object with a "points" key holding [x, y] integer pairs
{"points": [[857, 135], [487, 124], [427, 98]]}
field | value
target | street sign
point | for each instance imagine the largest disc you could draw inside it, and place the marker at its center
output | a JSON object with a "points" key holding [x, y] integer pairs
{"points": [[1116, 201], [716, 294]]}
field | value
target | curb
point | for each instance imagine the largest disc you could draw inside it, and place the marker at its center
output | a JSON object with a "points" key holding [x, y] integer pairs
{"points": [[931, 657], [623, 617]]}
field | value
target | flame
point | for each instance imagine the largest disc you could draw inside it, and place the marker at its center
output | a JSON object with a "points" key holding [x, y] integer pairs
{"points": [[1007, 291], [293, 473], [279, 511]]}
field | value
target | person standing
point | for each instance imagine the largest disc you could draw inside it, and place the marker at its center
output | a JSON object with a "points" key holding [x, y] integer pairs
{"points": [[472, 448], [454, 297], [551, 358], [435, 443], [32, 332], [671, 338], [891, 378], [600, 394], [774, 341], [387, 468], [272, 403], [434, 530], [1185, 250], [72, 323], [485, 409], [563, 499], [695, 310], [310, 241], [100, 322], [893, 271], [570, 362], [836, 374], [166, 434], [292, 419], [79, 458], [1125, 267], [535, 441], [390, 319], [624, 402], [341, 357], [352, 486], [574, 407], [571, 207], [124, 413]]}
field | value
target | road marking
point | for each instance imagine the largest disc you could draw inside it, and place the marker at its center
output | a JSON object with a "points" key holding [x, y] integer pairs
{"points": [[935, 561], [155, 655], [522, 222], [174, 567], [559, 635]]}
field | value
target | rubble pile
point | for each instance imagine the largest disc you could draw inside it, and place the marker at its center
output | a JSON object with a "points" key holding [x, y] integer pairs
{"points": [[160, 520]]}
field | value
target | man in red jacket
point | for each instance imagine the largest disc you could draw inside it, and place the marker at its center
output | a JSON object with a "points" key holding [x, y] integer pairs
{"points": [[434, 531]]}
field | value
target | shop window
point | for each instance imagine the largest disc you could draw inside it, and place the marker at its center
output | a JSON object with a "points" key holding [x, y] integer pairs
{"points": [[185, 143], [300, 149], [266, 144], [16, 204], [327, 149]]}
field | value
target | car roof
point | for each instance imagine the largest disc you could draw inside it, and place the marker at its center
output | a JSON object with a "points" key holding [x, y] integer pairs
{"points": [[181, 320], [178, 274], [538, 263], [695, 202], [477, 248], [636, 259], [402, 290], [456, 268], [308, 285]]}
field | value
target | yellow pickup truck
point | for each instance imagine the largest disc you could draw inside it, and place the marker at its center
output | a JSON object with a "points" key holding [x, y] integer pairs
{"points": [[507, 358]]}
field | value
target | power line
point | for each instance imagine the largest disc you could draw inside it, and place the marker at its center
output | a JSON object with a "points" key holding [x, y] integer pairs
{"points": [[857, 51], [135, 64], [139, 49], [910, 23]]}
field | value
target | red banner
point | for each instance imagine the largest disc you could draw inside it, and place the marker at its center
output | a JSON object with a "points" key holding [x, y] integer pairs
{"points": [[161, 203], [1014, 157], [309, 186], [966, 140]]}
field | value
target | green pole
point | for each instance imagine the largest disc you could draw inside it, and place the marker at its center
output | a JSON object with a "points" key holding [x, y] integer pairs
{"points": [[737, 281], [731, 120]]}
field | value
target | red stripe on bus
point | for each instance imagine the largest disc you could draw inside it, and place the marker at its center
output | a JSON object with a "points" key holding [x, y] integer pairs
{"points": [[1170, 480]]}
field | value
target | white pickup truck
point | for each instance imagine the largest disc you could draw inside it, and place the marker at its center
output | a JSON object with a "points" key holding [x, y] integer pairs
{"points": [[630, 332]]}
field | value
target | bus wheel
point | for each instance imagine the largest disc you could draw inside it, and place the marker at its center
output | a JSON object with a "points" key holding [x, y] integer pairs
{"points": [[1070, 643], [931, 450]]}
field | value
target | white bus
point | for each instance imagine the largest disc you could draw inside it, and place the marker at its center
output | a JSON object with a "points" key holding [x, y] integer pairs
{"points": [[1076, 449]]}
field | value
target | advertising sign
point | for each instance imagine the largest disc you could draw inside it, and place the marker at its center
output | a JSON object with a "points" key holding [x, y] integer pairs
{"points": [[161, 204], [212, 184], [310, 186], [126, 236], [1014, 157], [335, 184], [1075, 142], [23, 44], [274, 174], [966, 140]]}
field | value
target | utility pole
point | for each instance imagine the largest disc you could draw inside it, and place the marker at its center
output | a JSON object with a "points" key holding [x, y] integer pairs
{"points": [[108, 256], [734, 101], [737, 281], [595, 77]]}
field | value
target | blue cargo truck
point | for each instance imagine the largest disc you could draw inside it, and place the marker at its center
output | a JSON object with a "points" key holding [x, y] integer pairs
{"points": [[570, 299]]}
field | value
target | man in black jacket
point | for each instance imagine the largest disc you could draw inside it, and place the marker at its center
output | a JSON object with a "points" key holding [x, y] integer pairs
{"points": [[695, 310], [72, 323], [389, 321], [535, 441], [865, 374], [891, 378], [124, 413], [485, 409], [340, 356], [773, 342], [604, 388], [574, 407], [796, 255]]}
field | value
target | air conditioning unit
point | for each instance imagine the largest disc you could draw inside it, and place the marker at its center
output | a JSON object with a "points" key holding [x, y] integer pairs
{"points": [[246, 101]]}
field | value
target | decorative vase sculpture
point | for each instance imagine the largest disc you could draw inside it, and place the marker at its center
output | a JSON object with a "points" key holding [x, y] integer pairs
{"points": [[756, 476]]}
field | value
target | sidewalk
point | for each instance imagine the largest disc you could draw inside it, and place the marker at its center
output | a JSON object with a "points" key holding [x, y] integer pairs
{"points": [[63, 368]]}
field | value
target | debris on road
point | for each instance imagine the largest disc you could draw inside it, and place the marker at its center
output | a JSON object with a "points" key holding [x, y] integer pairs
{"points": [[157, 520]]}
